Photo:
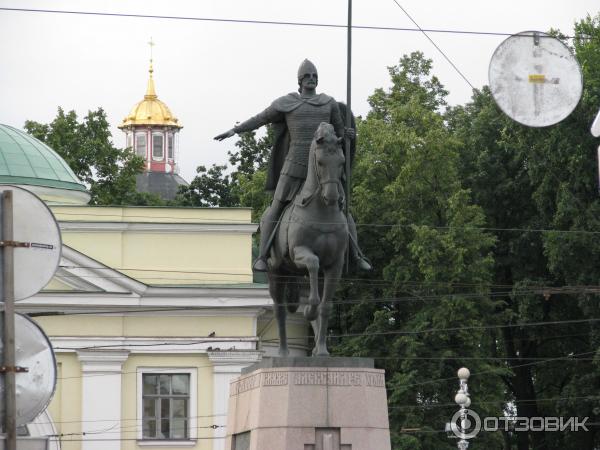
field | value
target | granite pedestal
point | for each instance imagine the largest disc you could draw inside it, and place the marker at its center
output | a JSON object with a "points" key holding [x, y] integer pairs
{"points": [[309, 404]]}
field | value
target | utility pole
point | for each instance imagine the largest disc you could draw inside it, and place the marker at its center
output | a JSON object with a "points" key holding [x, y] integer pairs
{"points": [[8, 366], [348, 120]]}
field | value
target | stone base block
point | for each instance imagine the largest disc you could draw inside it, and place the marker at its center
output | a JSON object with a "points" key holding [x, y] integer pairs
{"points": [[309, 404]]}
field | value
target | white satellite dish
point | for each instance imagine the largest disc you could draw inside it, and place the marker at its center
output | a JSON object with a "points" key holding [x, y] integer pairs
{"points": [[35, 226], [535, 79], [35, 387]]}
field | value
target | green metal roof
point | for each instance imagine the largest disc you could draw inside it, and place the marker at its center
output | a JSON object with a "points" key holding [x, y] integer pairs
{"points": [[25, 160]]}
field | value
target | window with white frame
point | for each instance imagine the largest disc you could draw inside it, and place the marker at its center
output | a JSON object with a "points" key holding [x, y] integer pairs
{"points": [[158, 151], [170, 152], [129, 140], [167, 406], [140, 145]]}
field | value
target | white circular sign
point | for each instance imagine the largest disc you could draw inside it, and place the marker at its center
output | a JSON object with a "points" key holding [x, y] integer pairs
{"points": [[35, 387], [535, 79], [34, 225]]}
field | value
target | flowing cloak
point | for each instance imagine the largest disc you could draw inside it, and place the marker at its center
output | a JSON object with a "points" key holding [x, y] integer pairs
{"points": [[281, 142]]}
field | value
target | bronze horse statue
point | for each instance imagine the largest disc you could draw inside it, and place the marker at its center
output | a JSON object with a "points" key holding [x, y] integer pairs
{"points": [[312, 238]]}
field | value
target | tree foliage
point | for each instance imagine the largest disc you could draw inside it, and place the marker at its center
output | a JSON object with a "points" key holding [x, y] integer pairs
{"points": [[86, 146], [484, 235], [433, 262], [240, 185], [528, 181], [210, 187], [478, 227]]}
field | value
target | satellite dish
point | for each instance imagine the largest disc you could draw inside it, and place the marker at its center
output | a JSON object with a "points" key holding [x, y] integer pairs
{"points": [[35, 387], [35, 225], [535, 79]]}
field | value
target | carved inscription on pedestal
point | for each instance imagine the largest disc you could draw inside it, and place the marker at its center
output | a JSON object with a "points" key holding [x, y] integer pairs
{"points": [[375, 379], [275, 379], [339, 378], [245, 384], [308, 377]]}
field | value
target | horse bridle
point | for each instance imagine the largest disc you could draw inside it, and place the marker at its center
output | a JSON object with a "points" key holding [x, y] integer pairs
{"points": [[321, 183]]}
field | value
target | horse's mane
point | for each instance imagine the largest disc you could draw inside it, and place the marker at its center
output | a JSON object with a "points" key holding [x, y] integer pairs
{"points": [[324, 131]]}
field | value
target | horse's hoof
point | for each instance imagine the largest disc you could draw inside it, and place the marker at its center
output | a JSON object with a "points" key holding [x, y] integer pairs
{"points": [[292, 307], [311, 312], [364, 264], [260, 265]]}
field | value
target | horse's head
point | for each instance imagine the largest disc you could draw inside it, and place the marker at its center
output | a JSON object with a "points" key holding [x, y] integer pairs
{"points": [[328, 163]]}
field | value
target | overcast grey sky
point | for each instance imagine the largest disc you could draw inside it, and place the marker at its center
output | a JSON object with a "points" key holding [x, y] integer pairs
{"points": [[212, 74]]}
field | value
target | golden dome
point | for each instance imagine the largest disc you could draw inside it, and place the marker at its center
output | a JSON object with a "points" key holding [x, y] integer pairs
{"points": [[150, 111]]}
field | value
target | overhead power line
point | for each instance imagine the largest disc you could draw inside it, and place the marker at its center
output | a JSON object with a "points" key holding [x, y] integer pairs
{"points": [[562, 359], [497, 402], [360, 301], [347, 279], [259, 22], [63, 440], [435, 45], [486, 372], [400, 406], [208, 221], [452, 329], [363, 334]]}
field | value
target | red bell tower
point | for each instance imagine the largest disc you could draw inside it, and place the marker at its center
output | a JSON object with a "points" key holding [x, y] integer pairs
{"points": [[152, 132]]}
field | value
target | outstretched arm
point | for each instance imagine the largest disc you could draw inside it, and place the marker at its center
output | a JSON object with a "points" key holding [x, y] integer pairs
{"points": [[225, 135], [269, 115]]}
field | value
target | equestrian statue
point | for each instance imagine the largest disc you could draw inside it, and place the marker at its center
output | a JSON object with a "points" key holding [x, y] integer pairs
{"points": [[305, 231]]}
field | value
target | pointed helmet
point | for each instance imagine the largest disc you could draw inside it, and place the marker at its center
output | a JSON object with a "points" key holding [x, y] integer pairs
{"points": [[305, 68]]}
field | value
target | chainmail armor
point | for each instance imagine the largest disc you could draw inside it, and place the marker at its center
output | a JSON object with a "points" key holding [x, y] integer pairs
{"points": [[302, 123]]}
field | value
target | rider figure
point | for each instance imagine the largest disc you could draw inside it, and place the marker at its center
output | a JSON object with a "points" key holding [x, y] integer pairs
{"points": [[297, 117]]}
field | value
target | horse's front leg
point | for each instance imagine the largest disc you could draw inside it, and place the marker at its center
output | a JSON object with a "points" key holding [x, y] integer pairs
{"points": [[332, 277], [305, 258], [277, 291]]}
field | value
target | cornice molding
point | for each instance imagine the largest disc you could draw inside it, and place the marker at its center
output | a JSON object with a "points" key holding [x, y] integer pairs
{"points": [[119, 306], [223, 357], [90, 348], [102, 360], [142, 227]]}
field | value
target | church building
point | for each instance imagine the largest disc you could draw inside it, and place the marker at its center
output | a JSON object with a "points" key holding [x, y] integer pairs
{"points": [[152, 131]]}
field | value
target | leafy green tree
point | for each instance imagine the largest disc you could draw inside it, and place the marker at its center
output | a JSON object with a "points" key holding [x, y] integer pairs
{"points": [[252, 154], [529, 180], [243, 185], [86, 146], [250, 175], [433, 262], [211, 187]]}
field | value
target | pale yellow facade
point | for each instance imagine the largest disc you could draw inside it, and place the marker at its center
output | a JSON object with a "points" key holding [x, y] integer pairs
{"points": [[131, 326], [164, 246], [146, 290]]}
